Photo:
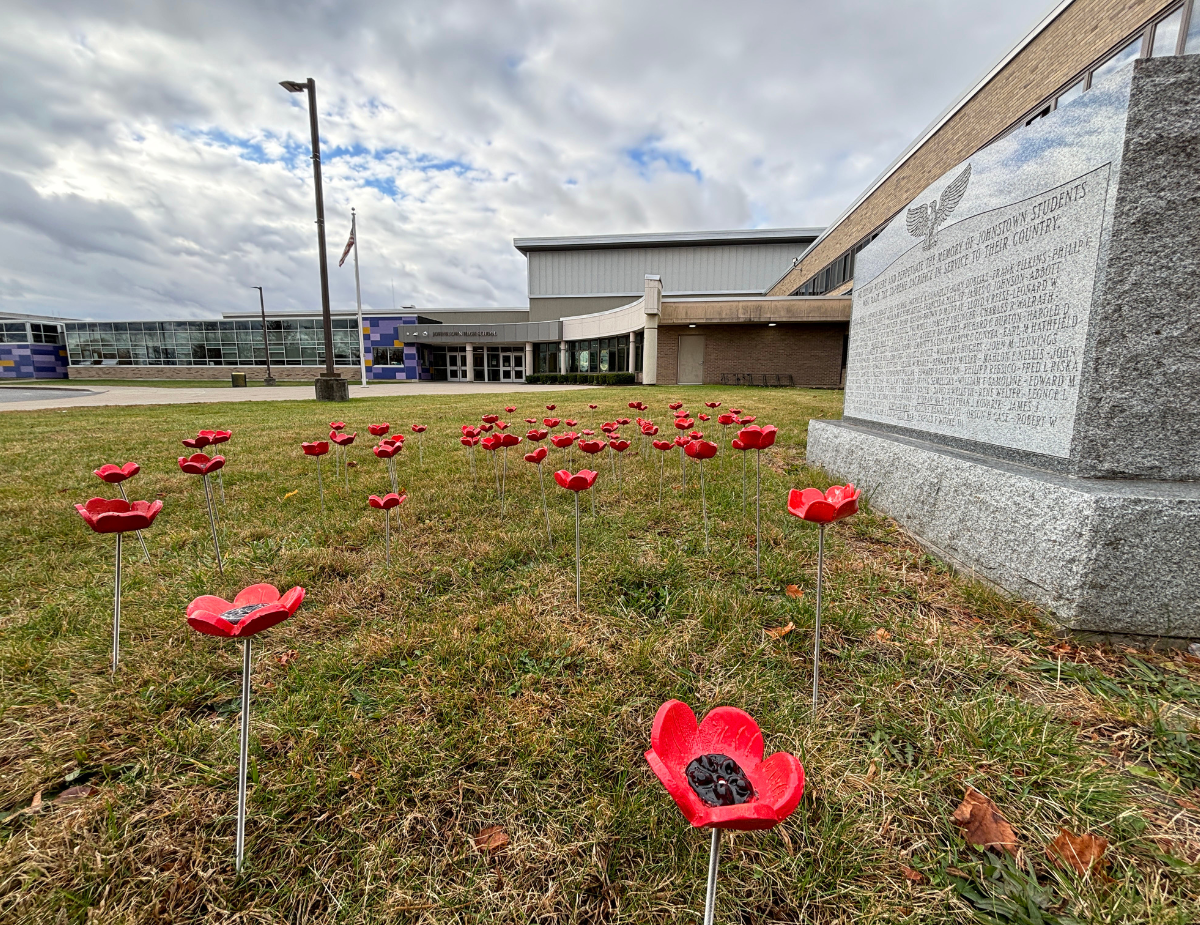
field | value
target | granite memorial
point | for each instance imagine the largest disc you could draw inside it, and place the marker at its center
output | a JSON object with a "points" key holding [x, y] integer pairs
{"points": [[1023, 373]]}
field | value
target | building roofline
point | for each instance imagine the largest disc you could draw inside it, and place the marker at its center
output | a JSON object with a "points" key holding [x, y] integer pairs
{"points": [[669, 239], [945, 116]]}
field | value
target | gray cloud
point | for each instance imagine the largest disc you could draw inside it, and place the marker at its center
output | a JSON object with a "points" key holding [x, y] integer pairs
{"points": [[153, 166]]}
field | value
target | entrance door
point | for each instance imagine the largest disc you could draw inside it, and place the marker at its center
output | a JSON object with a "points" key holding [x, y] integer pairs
{"points": [[690, 360]]}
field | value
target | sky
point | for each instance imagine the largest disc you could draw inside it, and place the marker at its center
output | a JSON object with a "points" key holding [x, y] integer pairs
{"points": [[152, 167]]}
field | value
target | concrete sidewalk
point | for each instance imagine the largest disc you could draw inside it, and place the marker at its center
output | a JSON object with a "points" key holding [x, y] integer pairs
{"points": [[78, 394]]}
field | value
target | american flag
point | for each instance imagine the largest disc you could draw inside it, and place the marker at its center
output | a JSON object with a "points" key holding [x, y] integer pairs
{"points": [[346, 252]]}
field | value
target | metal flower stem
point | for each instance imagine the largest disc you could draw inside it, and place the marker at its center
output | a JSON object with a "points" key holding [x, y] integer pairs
{"points": [[577, 598], [612, 458], [116, 642], [392, 473], [387, 538], [471, 453], [495, 472], [320, 485], [221, 482], [682, 471], [421, 448], [758, 513], [545, 506], [243, 755], [704, 505], [817, 626], [592, 492], [346, 467], [504, 481], [662, 465], [710, 897], [743, 482], [145, 551], [212, 522]]}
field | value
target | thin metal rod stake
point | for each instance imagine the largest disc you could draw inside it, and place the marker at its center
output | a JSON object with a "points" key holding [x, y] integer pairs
{"points": [[320, 485], [243, 755], [212, 522], [392, 473], [495, 472], [346, 467], [545, 506], [817, 626], [116, 642], [710, 898], [221, 482], [503, 481], [471, 450], [704, 505], [387, 538], [758, 513], [145, 551], [662, 465], [592, 492], [577, 597], [682, 472], [743, 483]]}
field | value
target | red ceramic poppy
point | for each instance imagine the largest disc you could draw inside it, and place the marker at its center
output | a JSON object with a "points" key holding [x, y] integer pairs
{"points": [[702, 417], [592, 446], [551, 407], [502, 425], [509, 439], [199, 442], [570, 422], [201, 464], [635, 405], [588, 433], [618, 444], [490, 418], [316, 448], [593, 407], [469, 431], [418, 428], [536, 435], [675, 405], [537, 455], [562, 441], [748, 419], [394, 438], [492, 442], [217, 436], [378, 430], [683, 423], [387, 502], [681, 414], [726, 419], [509, 410], [662, 444], [622, 421], [712, 404], [608, 427], [696, 435], [255, 609], [819, 507], [580, 481], [469, 441], [650, 430], [758, 438], [571, 434], [117, 515], [681, 440], [342, 439], [115, 474], [551, 422], [531, 420], [715, 772], [735, 410], [486, 428], [337, 425], [701, 449], [388, 450]]}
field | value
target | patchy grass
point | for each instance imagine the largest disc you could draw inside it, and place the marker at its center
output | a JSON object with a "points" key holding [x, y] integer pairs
{"points": [[399, 714]]}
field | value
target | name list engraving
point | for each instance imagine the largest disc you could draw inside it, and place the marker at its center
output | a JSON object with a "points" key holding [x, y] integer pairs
{"points": [[982, 337]]}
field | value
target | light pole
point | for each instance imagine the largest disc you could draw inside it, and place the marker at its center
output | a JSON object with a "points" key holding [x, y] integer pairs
{"points": [[330, 386], [270, 380]]}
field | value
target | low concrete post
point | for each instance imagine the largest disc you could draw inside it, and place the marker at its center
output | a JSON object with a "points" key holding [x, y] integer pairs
{"points": [[470, 363], [528, 357]]}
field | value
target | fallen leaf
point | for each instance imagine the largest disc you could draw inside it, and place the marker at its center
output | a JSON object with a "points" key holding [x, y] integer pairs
{"points": [[77, 793], [872, 770], [794, 591], [493, 840], [290, 493], [955, 872], [914, 875], [982, 824], [1082, 852], [351, 464], [779, 632], [882, 635], [1186, 804], [287, 657]]}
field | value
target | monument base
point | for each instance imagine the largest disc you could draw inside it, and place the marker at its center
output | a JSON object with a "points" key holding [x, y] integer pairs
{"points": [[1103, 556], [332, 388]]}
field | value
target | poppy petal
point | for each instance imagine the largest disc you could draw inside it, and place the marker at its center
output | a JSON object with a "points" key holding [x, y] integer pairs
{"points": [[675, 734], [256, 594], [672, 778], [780, 783], [210, 624], [293, 599], [209, 602], [263, 618], [733, 732], [744, 817]]}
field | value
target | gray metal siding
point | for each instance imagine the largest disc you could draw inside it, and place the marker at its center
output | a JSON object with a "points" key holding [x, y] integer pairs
{"points": [[613, 271]]}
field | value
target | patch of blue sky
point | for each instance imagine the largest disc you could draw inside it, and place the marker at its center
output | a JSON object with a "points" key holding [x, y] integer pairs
{"points": [[648, 156], [248, 149]]}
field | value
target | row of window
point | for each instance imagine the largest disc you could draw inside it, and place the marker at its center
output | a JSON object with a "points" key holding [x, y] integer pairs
{"points": [[21, 332], [1177, 31]]}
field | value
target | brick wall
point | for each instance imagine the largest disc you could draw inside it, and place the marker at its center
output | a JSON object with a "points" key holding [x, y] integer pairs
{"points": [[298, 373], [811, 353], [1079, 36]]}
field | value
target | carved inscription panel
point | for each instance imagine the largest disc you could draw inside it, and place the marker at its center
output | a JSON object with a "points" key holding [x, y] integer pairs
{"points": [[981, 334]]}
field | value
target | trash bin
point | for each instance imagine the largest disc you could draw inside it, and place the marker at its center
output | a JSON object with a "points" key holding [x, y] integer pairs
{"points": [[239, 380]]}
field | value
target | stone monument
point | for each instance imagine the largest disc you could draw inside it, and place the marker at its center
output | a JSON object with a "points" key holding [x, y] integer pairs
{"points": [[1023, 376]]}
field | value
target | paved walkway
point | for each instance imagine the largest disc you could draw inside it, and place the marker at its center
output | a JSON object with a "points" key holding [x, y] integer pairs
{"points": [[27, 398]]}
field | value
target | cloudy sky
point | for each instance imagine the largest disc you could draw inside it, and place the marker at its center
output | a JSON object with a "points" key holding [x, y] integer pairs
{"points": [[151, 166]]}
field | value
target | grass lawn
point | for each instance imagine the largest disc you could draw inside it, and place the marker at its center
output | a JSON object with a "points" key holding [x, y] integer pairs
{"points": [[401, 713], [167, 383]]}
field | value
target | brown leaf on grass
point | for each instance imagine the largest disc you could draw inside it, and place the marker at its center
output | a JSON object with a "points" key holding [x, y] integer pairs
{"points": [[882, 635], [982, 824], [77, 793], [492, 840], [351, 464], [794, 591], [36, 802], [914, 875], [778, 632], [287, 657], [1081, 852], [295, 491]]}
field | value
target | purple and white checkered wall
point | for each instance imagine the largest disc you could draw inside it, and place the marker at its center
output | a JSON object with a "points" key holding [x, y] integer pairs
{"points": [[33, 361], [385, 332]]}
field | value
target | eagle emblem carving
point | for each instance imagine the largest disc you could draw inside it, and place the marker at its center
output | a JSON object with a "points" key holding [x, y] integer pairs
{"points": [[925, 219]]}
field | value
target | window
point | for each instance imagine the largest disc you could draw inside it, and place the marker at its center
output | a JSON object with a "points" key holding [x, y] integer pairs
{"points": [[1073, 91], [45, 333], [602, 355], [1040, 114], [1118, 60], [1166, 35], [387, 356], [14, 332], [456, 364], [1191, 45], [546, 358]]}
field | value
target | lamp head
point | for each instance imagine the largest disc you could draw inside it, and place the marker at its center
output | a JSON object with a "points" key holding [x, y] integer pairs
{"points": [[293, 86]]}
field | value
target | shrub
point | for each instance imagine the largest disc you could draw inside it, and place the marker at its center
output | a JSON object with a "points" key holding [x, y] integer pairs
{"points": [[581, 378]]}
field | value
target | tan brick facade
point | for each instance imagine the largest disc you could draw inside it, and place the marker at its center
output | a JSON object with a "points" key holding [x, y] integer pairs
{"points": [[297, 373], [1081, 34], [811, 353]]}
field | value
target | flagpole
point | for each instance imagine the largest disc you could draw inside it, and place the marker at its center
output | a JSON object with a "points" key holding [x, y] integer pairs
{"points": [[362, 351]]}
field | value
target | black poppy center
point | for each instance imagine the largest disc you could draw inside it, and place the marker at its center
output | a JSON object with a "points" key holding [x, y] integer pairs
{"points": [[719, 781], [237, 614]]}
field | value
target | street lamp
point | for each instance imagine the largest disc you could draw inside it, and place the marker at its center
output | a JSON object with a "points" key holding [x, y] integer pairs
{"points": [[270, 380], [330, 386]]}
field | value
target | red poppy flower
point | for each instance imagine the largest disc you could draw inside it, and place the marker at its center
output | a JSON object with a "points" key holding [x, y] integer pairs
{"points": [[536, 435], [570, 422], [622, 421], [683, 423], [469, 441], [650, 430], [726, 419], [394, 440], [117, 515], [551, 422], [551, 407], [592, 446], [387, 502], [502, 425], [580, 481], [562, 441], [490, 418], [486, 428], [509, 410], [201, 464], [418, 428], [588, 433], [697, 435], [571, 434], [342, 439], [681, 440], [537, 455], [701, 449], [199, 442], [469, 431], [618, 444], [316, 448], [662, 444], [712, 404], [735, 410], [681, 414], [608, 427], [635, 405], [531, 420], [509, 439], [702, 417], [748, 419], [217, 436], [593, 407], [819, 507], [491, 443], [255, 609], [675, 405], [388, 450], [758, 438], [378, 430], [115, 474], [715, 772], [337, 425]]}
